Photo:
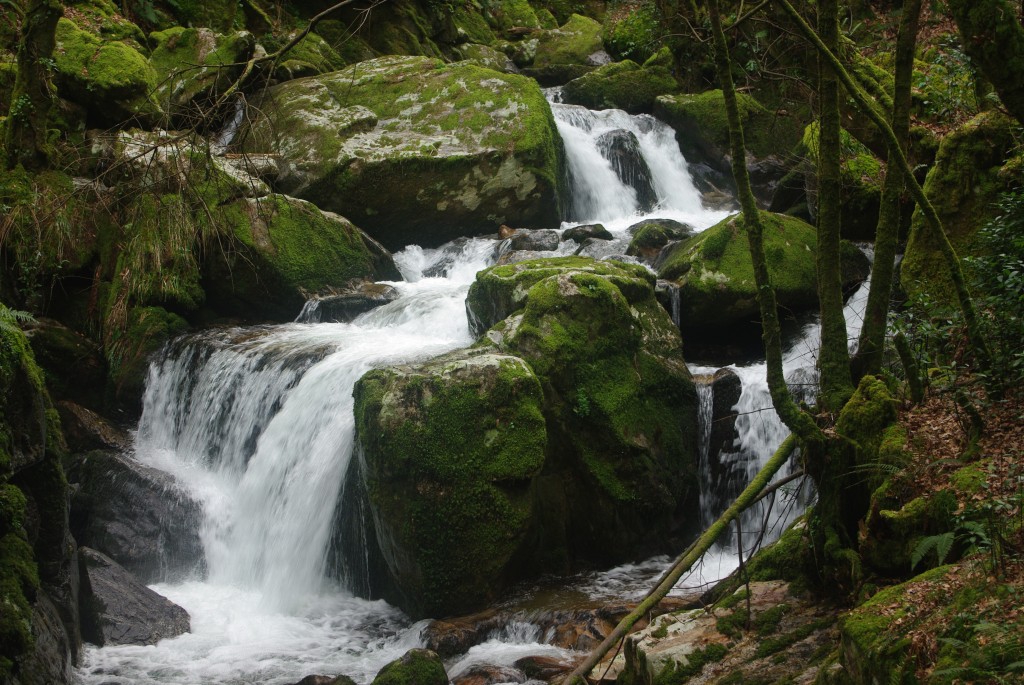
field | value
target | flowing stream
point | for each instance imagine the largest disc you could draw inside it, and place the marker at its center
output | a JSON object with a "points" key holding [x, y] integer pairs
{"points": [[257, 425]]}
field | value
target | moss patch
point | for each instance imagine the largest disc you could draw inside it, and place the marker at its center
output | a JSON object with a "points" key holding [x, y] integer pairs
{"points": [[620, 85]]}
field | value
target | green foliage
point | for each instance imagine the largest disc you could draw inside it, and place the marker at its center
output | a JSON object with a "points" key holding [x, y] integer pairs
{"points": [[944, 85], [636, 35]]}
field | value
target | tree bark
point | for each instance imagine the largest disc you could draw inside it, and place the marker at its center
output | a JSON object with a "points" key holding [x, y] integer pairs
{"points": [[31, 100], [771, 332], [994, 39], [835, 386], [872, 335], [977, 340]]}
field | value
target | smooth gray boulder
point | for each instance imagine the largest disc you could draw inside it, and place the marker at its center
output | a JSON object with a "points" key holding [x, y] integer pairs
{"points": [[119, 610]]}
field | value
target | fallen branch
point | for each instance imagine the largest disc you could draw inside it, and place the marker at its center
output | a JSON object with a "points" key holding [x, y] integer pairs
{"points": [[686, 561]]}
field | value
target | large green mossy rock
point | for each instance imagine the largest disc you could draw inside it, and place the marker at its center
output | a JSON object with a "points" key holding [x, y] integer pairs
{"points": [[193, 66], [110, 78], [22, 404], [452, 447], [567, 52], [963, 186], [416, 151], [716, 276], [703, 129], [619, 401], [503, 15], [279, 250], [621, 85]]}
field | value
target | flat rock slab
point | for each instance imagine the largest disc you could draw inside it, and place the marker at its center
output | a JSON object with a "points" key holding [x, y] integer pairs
{"points": [[119, 610]]}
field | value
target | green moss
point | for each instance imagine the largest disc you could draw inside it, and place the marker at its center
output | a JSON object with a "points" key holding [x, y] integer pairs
{"points": [[416, 667], [733, 624], [773, 645], [703, 118], [128, 349], [111, 78], [506, 14], [963, 187], [731, 600], [865, 418], [569, 45], [451, 448], [767, 622], [197, 63], [694, 662], [716, 275], [621, 85], [970, 479], [220, 15], [546, 19], [19, 581]]}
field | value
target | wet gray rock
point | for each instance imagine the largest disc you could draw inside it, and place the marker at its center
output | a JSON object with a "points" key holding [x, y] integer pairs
{"points": [[346, 306], [119, 610], [86, 430], [137, 515], [726, 389], [622, 150], [541, 240], [582, 233]]}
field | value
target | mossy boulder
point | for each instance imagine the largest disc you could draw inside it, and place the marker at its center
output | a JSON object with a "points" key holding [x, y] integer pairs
{"points": [[312, 55], [503, 15], [619, 401], [567, 52], [652, 235], [620, 85], [485, 56], [963, 186], [193, 66], [416, 151], [415, 667], [279, 250], [716, 275], [110, 78], [451, 450]]}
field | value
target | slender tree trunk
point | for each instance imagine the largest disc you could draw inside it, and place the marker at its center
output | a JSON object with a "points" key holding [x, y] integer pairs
{"points": [[978, 344], [31, 100], [872, 335], [750, 495], [835, 386], [797, 421]]}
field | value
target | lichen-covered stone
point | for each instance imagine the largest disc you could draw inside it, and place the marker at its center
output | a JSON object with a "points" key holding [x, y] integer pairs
{"points": [[620, 85], [111, 78], [416, 151], [963, 187], [451, 450], [567, 52], [193, 66]]}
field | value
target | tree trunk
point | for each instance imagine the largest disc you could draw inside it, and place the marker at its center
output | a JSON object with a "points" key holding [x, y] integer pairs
{"points": [[835, 386], [872, 335], [751, 494], [977, 340], [31, 100], [994, 39], [771, 332]]}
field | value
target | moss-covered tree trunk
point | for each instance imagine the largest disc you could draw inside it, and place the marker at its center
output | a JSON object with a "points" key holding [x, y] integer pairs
{"points": [[994, 39], [31, 100], [872, 335], [835, 386], [771, 331]]}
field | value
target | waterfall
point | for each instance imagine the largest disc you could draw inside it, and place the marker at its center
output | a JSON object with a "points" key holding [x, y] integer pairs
{"points": [[622, 166]]}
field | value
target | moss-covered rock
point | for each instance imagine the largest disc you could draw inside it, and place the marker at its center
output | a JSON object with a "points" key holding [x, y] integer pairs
{"points": [[963, 186], [193, 66], [310, 56], [620, 85], [408, 27], [415, 667], [111, 78], [503, 15], [703, 129], [128, 348], [650, 236], [416, 151], [451, 449], [485, 56], [619, 401], [567, 52], [716, 275], [281, 249]]}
